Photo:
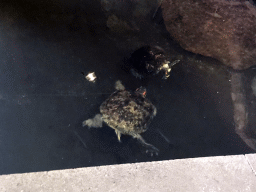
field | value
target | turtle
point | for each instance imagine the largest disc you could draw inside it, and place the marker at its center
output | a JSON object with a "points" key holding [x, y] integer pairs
{"points": [[149, 60], [128, 113]]}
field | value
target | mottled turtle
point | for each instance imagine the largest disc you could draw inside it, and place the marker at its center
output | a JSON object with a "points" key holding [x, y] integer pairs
{"points": [[128, 113]]}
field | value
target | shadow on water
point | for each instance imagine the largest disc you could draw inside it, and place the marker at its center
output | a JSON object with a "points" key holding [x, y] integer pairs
{"points": [[44, 97]]}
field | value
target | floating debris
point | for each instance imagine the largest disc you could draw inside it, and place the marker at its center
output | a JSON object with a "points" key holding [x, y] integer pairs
{"points": [[91, 77]]}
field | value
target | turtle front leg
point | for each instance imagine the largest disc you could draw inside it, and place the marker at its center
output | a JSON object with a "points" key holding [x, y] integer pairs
{"points": [[95, 122], [151, 149]]}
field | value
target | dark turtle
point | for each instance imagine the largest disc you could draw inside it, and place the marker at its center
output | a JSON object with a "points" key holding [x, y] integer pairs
{"points": [[129, 113], [149, 60]]}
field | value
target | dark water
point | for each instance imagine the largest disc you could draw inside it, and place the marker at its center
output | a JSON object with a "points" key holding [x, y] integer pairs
{"points": [[44, 98]]}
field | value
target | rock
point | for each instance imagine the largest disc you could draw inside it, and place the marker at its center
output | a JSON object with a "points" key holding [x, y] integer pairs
{"points": [[117, 25], [132, 24], [224, 30], [253, 86]]}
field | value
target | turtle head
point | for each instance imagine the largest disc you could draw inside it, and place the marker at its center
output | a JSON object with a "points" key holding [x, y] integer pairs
{"points": [[141, 91]]}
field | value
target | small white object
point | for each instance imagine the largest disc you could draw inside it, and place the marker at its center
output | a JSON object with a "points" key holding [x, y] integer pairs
{"points": [[91, 77]]}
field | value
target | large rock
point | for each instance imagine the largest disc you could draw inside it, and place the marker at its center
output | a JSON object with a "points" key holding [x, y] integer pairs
{"points": [[225, 30]]}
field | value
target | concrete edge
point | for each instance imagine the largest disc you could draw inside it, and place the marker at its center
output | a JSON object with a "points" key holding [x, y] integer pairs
{"points": [[221, 173]]}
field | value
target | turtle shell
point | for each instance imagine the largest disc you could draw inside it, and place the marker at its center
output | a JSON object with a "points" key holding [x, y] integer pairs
{"points": [[128, 112]]}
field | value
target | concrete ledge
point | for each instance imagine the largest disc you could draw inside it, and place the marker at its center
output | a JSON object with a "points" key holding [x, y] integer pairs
{"points": [[223, 173]]}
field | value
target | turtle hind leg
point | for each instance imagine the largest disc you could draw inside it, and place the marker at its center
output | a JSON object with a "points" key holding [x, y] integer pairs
{"points": [[95, 122], [150, 149]]}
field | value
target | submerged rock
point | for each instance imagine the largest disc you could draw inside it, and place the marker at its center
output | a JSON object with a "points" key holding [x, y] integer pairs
{"points": [[241, 112], [128, 14], [253, 86]]}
